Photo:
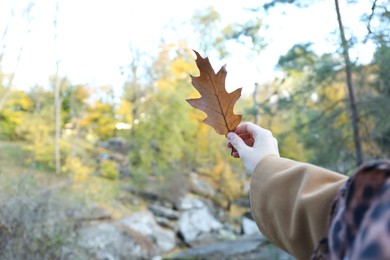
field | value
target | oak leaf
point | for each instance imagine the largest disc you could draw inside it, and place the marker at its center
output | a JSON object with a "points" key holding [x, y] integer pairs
{"points": [[215, 101]]}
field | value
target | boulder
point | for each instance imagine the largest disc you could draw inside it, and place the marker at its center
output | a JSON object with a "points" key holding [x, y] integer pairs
{"points": [[196, 221], [190, 203], [200, 187], [135, 237], [248, 226], [161, 211], [244, 248], [93, 212], [107, 241], [145, 224]]}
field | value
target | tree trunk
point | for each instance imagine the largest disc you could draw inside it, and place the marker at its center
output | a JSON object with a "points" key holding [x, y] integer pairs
{"points": [[255, 104], [353, 107], [57, 104], [57, 135]]}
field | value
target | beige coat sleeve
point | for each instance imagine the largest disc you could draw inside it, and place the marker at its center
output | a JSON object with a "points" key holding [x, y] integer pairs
{"points": [[291, 203]]}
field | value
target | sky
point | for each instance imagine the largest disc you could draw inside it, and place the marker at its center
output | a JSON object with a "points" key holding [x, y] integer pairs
{"points": [[95, 37]]}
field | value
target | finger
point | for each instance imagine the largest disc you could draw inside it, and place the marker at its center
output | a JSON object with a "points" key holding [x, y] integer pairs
{"points": [[242, 128], [249, 142], [233, 150], [236, 142], [236, 155], [251, 129], [276, 144], [245, 136]]}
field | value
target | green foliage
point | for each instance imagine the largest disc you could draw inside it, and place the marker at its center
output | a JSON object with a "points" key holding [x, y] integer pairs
{"points": [[160, 136], [160, 139], [73, 101], [377, 107], [109, 170], [96, 190], [297, 58], [7, 126], [207, 23], [38, 133]]}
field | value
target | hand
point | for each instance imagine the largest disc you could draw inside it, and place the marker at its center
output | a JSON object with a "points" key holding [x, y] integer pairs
{"points": [[252, 143]]}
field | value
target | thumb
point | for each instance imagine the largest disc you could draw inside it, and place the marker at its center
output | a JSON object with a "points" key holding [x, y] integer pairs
{"points": [[236, 141]]}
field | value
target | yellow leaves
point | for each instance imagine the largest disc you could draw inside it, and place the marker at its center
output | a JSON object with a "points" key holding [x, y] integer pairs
{"points": [[100, 118], [125, 111], [81, 93], [25, 102], [165, 84], [292, 148], [15, 109], [230, 185], [221, 176], [334, 92], [109, 170], [76, 169], [180, 68]]}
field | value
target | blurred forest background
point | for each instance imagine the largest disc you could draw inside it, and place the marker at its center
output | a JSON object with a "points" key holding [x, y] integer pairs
{"points": [[67, 145]]}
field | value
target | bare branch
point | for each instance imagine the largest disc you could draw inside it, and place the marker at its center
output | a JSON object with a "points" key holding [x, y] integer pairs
{"points": [[370, 17]]}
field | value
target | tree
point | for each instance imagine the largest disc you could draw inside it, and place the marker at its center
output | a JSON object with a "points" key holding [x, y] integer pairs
{"points": [[98, 122], [351, 91], [57, 100], [38, 127], [161, 128], [348, 70], [9, 87], [17, 108], [310, 105]]}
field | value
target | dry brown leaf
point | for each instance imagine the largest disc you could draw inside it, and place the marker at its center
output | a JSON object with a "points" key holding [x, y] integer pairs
{"points": [[215, 101]]}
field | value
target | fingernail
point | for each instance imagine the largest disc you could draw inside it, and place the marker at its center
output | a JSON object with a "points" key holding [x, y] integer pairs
{"points": [[230, 136]]}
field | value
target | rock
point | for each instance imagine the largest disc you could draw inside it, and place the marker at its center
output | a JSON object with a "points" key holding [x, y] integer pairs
{"points": [[247, 187], [165, 212], [135, 237], [145, 224], [226, 234], [96, 212], [196, 221], [116, 144], [243, 202], [187, 203], [125, 171], [163, 222], [146, 195], [201, 187], [244, 248], [107, 241], [248, 226], [92, 213], [224, 249]]}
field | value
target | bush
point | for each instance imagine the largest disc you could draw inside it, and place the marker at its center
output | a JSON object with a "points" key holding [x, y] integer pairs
{"points": [[34, 223], [76, 169], [109, 170]]}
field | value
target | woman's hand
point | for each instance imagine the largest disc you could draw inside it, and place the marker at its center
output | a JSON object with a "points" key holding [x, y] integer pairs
{"points": [[252, 143]]}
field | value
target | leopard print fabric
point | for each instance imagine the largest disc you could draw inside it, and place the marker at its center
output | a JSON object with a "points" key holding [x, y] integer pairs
{"points": [[360, 217]]}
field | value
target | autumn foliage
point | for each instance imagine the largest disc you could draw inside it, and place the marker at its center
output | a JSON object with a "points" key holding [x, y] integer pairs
{"points": [[215, 101]]}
